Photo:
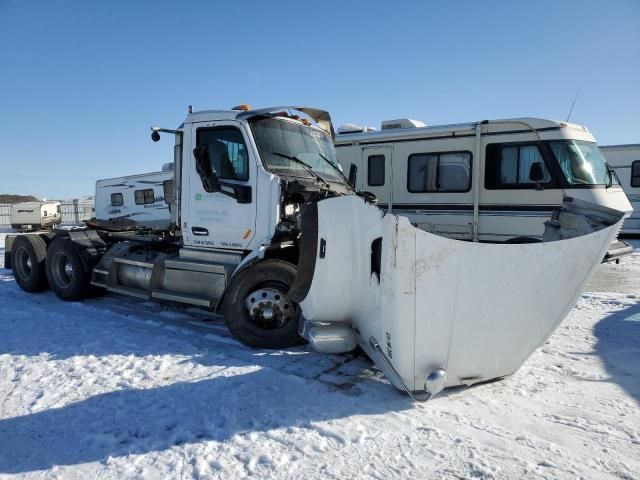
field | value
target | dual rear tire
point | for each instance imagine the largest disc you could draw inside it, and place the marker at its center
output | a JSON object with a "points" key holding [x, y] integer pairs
{"points": [[67, 273], [28, 255], [60, 266]]}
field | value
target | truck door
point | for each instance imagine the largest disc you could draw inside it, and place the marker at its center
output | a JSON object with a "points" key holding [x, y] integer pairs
{"points": [[377, 174], [215, 219]]}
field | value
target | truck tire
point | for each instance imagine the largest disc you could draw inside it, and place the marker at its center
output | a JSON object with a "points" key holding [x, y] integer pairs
{"points": [[256, 308], [68, 276], [28, 254]]}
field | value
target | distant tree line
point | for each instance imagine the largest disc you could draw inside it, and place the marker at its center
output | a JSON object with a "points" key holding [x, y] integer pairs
{"points": [[6, 198]]}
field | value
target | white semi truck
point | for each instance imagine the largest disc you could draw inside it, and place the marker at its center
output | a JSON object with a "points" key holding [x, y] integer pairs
{"points": [[266, 230]]}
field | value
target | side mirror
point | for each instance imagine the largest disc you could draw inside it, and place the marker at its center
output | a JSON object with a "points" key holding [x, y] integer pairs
{"points": [[536, 174], [207, 173], [353, 175]]}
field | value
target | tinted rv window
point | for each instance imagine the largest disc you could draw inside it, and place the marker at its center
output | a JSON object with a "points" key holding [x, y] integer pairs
{"points": [[439, 172], [144, 196], [509, 166], [227, 151], [376, 170], [635, 174], [116, 199]]}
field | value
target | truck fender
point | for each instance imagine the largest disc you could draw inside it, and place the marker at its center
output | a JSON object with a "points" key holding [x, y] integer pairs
{"points": [[249, 260]]}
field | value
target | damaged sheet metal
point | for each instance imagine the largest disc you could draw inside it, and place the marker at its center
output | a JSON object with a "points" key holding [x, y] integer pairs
{"points": [[475, 311]]}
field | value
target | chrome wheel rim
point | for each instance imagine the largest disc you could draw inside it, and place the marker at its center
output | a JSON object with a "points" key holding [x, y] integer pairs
{"points": [[62, 269], [270, 308]]}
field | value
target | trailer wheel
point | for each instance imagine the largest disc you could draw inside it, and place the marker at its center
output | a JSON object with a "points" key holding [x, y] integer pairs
{"points": [[28, 263], [67, 274], [256, 308]]}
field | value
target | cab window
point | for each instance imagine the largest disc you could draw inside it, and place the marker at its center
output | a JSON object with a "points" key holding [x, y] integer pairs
{"points": [[508, 166], [227, 151]]}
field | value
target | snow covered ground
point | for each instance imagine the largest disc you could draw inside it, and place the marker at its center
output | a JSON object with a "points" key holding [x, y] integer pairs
{"points": [[119, 388]]}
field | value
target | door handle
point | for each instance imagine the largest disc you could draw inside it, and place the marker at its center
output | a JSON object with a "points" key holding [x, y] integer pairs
{"points": [[199, 231]]}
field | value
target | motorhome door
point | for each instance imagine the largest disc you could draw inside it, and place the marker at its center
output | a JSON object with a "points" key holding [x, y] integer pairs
{"points": [[377, 174]]}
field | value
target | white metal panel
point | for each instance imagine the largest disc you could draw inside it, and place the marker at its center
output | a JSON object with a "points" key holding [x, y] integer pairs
{"points": [[477, 310]]}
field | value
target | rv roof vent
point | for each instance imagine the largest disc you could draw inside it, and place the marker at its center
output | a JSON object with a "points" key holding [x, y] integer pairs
{"points": [[401, 123], [353, 128], [167, 167]]}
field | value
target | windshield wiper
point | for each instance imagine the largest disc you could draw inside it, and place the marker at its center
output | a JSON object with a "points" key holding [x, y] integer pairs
{"points": [[346, 180], [308, 167], [612, 173]]}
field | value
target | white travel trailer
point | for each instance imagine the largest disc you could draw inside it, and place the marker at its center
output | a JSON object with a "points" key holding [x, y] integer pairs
{"points": [[489, 181], [625, 161], [139, 198], [35, 215]]}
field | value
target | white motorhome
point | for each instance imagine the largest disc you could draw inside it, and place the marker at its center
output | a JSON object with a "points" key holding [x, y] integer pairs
{"points": [[266, 230], [489, 181], [625, 161], [139, 198], [35, 215]]}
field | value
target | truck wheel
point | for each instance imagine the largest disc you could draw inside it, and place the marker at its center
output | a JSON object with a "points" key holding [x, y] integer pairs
{"points": [[67, 274], [256, 308], [28, 263]]}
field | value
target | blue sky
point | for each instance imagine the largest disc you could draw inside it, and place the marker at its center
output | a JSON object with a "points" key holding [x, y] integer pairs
{"points": [[81, 82]]}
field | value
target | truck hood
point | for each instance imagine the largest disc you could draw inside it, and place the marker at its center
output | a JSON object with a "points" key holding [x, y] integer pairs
{"points": [[418, 303]]}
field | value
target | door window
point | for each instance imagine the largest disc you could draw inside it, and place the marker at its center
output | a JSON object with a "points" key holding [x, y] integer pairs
{"points": [[375, 165], [227, 151]]}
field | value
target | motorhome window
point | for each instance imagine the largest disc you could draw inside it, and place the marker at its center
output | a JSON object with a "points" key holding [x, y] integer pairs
{"points": [[227, 151], [439, 172], [375, 170], [508, 166], [116, 199], [635, 174], [293, 138], [58, 208], [143, 197], [582, 163], [515, 165]]}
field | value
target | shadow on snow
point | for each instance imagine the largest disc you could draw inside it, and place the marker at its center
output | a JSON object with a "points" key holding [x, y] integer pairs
{"points": [[618, 346], [264, 396]]}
